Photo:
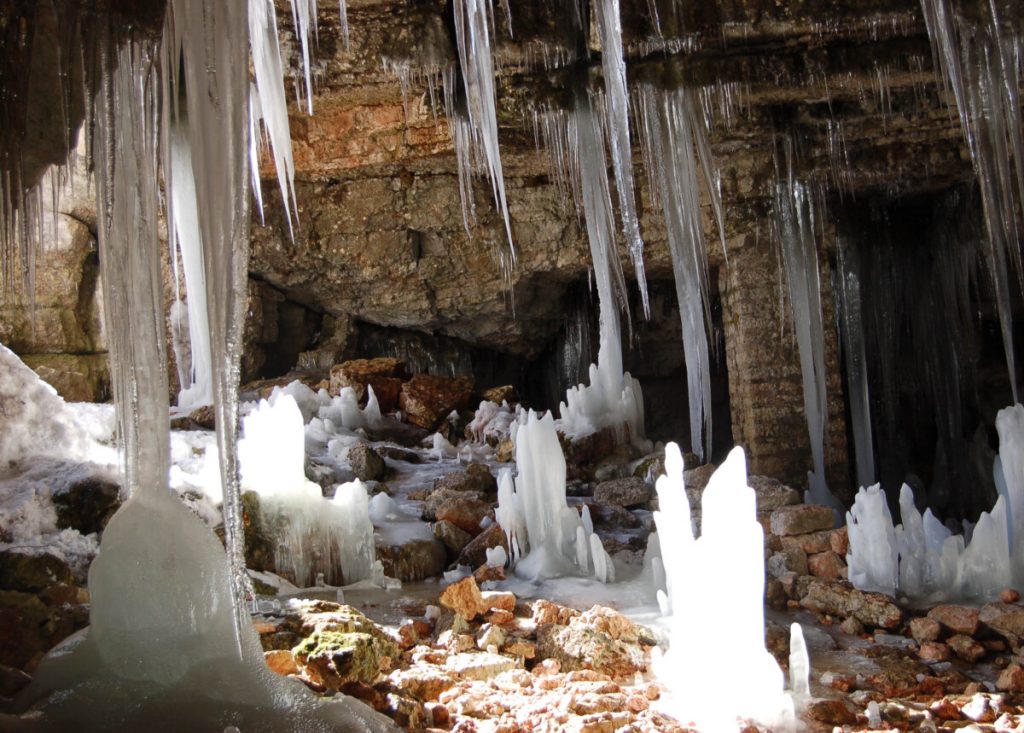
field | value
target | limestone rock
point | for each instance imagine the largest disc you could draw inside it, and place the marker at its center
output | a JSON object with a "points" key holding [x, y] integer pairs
{"points": [[965, 647], [465, 513], [498, 395], [624, 492], [787, 561], [479, 666], [1011, 679], [578, 646], [933, 652], [801, 519], [826, 565], [281, 661], [477, 477], [332, 658], [366, 463], [697, 478], [958, 619], [839, 598], [425, 683], [32, 573], [811, 543], [924, 629], [414, 560], [426, 399]]}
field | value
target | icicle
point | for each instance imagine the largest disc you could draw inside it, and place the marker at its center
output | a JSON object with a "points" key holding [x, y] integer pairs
{"points": [[671, 129], [476, 136], [343, 22], [271, 102], [795, 222], [851, 328], [617, 115], [305, 21]]}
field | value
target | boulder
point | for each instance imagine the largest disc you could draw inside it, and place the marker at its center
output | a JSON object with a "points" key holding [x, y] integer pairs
{"points": [[801, 519], [1006, 619], [624, 492], [924, 630], [384, 374], [476, 666], [826, 565], [1011, 679], [965, 647], [417, 559], [332, 658], [87, 505], [579, 646], [366, 463], [32, 573], [787, 561], [465, 513], [426, 400], [477, 477]]}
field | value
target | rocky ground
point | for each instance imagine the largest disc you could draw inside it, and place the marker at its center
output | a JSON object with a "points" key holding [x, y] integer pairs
{"points": [[469, 654]]}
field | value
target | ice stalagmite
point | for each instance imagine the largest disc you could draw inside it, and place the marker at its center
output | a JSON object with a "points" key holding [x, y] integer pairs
{"points": [[795, 222], [617, 122], [547, 537], [476, 136], [672, 128], [696, 662]]}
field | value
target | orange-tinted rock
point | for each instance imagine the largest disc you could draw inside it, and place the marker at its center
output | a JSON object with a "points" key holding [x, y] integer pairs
{"points": [[475, 553], [1009, 595], [801, 519], [932, 652], [840, 541], [1011, 679], [465, 513], [464, 598], [925, 629], [385, 375], [832, 712], [966, 647], [281, 661], [426, 399]]}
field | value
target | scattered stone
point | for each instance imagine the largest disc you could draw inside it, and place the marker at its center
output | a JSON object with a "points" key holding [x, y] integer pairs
{"points": [[933, 652], [958, 619], [624, 492], [414, 560], [549, 612], [839, 598], [490, 635], [788, 561], [826, 565], [424, 682], [772, 494], [476, 666], [32, 573], [426, 400], [832, 712], [801, 519], [966, 647], [464, 599], [454, 538], [499, 600], [979, 709], [923, 629], [477, 477], [695, 478], [1011, 679], [366, 463], [329, 658], [600, 639], [398, 454], [1009, 595], [87, 505]]}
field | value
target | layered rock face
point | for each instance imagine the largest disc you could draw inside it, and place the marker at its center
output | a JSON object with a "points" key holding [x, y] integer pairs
{"points": [[382, 263]]}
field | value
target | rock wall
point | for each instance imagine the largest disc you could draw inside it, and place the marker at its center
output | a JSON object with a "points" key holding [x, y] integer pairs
{"points": [[381, 242]]}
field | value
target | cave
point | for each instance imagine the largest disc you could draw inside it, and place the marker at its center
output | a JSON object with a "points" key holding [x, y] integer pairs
{"points": [[640, 365]]}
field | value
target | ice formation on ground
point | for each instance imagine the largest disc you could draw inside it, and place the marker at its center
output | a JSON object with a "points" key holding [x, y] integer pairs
{"points": [[546, 536], [731, 544], [921, 559], [313, 534]]}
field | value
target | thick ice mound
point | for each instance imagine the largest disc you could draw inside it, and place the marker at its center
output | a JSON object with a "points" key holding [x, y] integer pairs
{"points": [[162, 653]]}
